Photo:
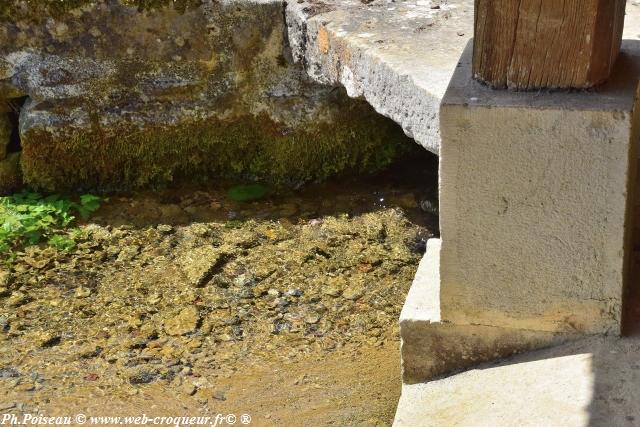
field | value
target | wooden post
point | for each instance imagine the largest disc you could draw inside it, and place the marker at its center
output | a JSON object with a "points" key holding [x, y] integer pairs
{"points": [[533, 44]]}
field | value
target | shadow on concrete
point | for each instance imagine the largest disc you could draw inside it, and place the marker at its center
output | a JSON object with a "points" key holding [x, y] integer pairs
{"points": [[592, 382]]}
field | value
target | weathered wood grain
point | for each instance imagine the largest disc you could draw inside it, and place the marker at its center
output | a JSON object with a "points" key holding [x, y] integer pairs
{"points": [[532, 44]]}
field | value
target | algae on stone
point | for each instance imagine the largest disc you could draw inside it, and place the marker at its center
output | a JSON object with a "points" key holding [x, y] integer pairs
{"points": [[183, 323], [247, 193], [250, 148], [10, 174], [57, 8], [144, 321]]}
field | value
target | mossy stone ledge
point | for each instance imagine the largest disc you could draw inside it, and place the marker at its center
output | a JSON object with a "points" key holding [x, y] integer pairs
{"points": [[250, 148], [130, 94]]}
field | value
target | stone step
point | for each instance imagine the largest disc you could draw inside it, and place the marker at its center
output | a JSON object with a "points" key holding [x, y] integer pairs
{"points": [[591, 382], [431, 348]]}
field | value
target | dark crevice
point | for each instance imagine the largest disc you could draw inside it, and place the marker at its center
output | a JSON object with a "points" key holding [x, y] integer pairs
{"points": [[15, 105]]}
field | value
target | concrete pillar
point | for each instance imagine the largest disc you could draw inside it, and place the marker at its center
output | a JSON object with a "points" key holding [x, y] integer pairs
{"points": [[535, 192], [535, 201]]}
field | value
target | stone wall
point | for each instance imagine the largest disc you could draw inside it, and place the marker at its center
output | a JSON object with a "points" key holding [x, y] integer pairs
{"points": [[126, 94]]}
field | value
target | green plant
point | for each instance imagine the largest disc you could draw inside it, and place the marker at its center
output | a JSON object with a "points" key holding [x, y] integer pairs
{"points": [[29, 218], [64, 242], [247, 193]]}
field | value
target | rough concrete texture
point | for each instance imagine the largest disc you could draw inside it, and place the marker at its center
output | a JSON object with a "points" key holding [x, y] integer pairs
{"points": [[399, 56], [592, 382], [632, 21], [423, 300], [431, 348], [119, 96], [534, 201]]}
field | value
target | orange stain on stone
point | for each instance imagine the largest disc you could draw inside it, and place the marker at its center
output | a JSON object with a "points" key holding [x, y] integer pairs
{"points": [[323, 40]]}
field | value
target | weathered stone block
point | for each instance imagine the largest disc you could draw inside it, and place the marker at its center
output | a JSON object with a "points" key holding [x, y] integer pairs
{"points": [[391, 55], [431, 348], [535, 203], [121, 95]]}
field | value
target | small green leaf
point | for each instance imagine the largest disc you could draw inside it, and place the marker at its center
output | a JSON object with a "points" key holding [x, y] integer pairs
{"points": [[62, 243], [247, 193]]}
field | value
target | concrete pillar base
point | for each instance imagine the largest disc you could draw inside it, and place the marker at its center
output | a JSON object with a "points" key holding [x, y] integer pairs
{"points": [[535, 202], [432, 348]]}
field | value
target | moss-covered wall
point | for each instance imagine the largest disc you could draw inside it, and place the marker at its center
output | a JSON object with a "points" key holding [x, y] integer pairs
{"points": [[132, 93], [248, 148]]}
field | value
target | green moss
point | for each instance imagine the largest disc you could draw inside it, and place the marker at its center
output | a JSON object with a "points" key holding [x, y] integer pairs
{"points": [[179, 5], [10, 174], [250, 148]]}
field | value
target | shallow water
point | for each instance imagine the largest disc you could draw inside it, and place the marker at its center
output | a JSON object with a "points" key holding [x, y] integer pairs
{"points": [[410, 184], [184, 295]]}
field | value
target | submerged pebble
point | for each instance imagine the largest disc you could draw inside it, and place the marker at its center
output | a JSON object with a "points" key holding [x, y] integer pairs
{"points": [[139, 302]]}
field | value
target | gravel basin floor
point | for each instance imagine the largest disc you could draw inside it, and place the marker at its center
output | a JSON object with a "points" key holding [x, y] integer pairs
{"points": [[183, 302]]}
